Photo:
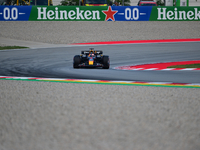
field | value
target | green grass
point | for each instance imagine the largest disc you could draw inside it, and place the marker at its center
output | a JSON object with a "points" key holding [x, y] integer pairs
{"points": [[185, 66], [11, 47]]}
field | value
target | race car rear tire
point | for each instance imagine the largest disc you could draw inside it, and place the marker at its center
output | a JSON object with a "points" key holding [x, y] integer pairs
{"points": [[106, 62], [77, 60]]}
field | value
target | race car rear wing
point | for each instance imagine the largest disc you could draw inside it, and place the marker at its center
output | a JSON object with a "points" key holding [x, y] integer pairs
{"points": [[95, 52]]}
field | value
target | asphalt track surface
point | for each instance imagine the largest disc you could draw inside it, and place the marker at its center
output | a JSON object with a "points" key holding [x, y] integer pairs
{"points": [[57, 62]]}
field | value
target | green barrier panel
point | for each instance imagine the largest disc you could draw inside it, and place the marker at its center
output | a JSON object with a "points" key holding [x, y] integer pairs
{"points": [[175, 14], [67, 13]]}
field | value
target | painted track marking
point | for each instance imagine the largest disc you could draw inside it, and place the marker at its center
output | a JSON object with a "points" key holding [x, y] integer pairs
{"points": [[107, 82]]}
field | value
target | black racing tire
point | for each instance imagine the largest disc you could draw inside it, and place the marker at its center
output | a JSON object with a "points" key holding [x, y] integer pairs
{"points": [[106, 62], [77, 61]]}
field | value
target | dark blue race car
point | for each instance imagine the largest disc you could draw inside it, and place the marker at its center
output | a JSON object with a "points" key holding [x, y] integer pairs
{"points": [[91, 59]]}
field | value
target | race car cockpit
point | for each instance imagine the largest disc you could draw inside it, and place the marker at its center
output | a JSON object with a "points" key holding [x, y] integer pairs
{"points": [[91, 53]]}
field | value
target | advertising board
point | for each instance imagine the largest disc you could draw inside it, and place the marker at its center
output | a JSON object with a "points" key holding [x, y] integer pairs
{"points": [[98, 13]]}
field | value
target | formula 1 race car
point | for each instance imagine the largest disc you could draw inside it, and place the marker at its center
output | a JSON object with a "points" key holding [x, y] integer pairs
{"points": [[91, 58]]}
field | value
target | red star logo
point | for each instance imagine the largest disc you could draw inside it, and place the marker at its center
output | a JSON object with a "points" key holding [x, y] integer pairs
{"points": [[110, 14]]}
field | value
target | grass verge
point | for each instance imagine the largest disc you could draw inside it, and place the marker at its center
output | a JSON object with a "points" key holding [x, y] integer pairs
{"points": [[11, 47], [185, 66]]}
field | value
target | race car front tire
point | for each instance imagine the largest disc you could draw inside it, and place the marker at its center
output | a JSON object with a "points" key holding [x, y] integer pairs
{"points": [[106, 62], [77, 60]]}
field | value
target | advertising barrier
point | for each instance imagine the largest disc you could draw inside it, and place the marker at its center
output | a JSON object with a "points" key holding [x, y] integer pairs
{"points": [[97, 13], [175, 14], [15, 13]]}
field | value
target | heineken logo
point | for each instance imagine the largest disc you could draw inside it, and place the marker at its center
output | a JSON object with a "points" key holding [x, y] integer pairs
{"points": [[175, 14], [77, 14]]}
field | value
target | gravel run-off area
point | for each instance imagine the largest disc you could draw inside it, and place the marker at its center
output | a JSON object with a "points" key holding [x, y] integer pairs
{"points": [[49, 116], [65, 32]]}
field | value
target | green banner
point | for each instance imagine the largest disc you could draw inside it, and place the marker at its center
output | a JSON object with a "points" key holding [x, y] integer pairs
{"points": [[175, 14], [67, 13]]}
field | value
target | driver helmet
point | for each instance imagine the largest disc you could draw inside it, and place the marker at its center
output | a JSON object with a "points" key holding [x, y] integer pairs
{"points": [[91, 52]]}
